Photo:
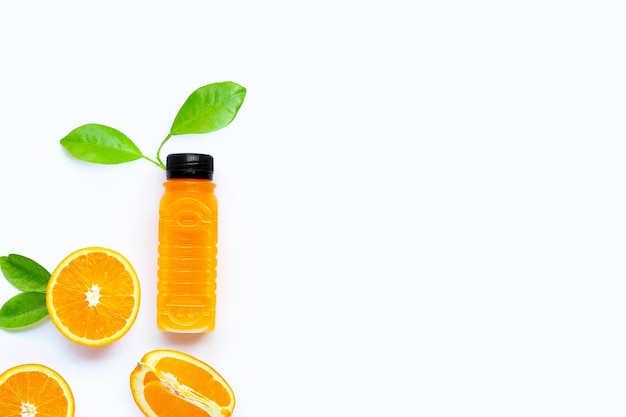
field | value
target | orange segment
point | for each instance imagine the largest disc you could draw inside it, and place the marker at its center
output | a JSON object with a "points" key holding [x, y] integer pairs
{"points": [[93, 296], [35, 390], [167, 383]]}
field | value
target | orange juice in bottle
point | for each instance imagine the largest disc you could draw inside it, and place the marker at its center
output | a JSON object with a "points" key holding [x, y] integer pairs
{"points": [[187, 246]]}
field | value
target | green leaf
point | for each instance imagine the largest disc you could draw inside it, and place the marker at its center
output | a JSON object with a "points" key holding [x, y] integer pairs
{"points": [[24, 273], [100, 144], [24, 309], [209, 108]]}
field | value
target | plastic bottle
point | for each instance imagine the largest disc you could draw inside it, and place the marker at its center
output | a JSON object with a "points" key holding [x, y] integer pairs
{"points": [[187, 246]]}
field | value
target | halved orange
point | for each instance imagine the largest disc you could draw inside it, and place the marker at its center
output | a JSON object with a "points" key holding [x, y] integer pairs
{"points": [[170, 383], [93, 296], [35, 390]]}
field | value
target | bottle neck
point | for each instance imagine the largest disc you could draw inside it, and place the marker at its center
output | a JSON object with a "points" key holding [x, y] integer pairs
{"points": [[188, 180], [190, 184]]}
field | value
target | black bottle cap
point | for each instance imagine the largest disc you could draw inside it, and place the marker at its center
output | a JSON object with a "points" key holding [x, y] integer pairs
{"points": [[189, 165]]}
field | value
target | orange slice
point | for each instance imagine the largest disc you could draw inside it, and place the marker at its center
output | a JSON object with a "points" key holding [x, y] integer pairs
{"points": [[171, 383], [35, 390], [93, 296]]}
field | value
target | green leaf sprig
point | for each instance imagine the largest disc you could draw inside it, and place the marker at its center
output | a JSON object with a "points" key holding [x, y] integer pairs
{"points": [[207, 109], [29, 306]]}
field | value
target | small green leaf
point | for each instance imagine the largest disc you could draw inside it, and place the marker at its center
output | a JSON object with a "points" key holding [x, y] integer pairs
{"points": [[24, 273], [209, 108], [24, 309], [100, 144]]}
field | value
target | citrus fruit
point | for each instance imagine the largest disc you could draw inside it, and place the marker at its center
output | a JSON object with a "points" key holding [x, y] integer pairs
{"points": [[171, 383], [35, 390], [93, 296]]}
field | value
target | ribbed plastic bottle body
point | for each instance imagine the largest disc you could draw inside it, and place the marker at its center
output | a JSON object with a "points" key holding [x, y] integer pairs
{"points": [[187, 256]]}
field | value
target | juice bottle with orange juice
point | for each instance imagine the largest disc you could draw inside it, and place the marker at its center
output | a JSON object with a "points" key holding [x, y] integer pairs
{"points": [[187, 246]]}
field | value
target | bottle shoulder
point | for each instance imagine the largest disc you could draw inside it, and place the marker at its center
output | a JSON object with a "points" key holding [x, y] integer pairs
{"points": [[188, 195]]}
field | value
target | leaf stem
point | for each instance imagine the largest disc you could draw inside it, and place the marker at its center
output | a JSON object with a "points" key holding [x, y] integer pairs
{"points": [[158, 154], [159, 163]]}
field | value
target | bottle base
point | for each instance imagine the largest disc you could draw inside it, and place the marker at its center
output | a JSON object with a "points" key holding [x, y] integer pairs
{"points": [[187, 323], [185, 331]]}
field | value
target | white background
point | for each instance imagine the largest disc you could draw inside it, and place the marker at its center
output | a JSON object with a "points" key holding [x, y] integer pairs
{"points": [[422, 204]]}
